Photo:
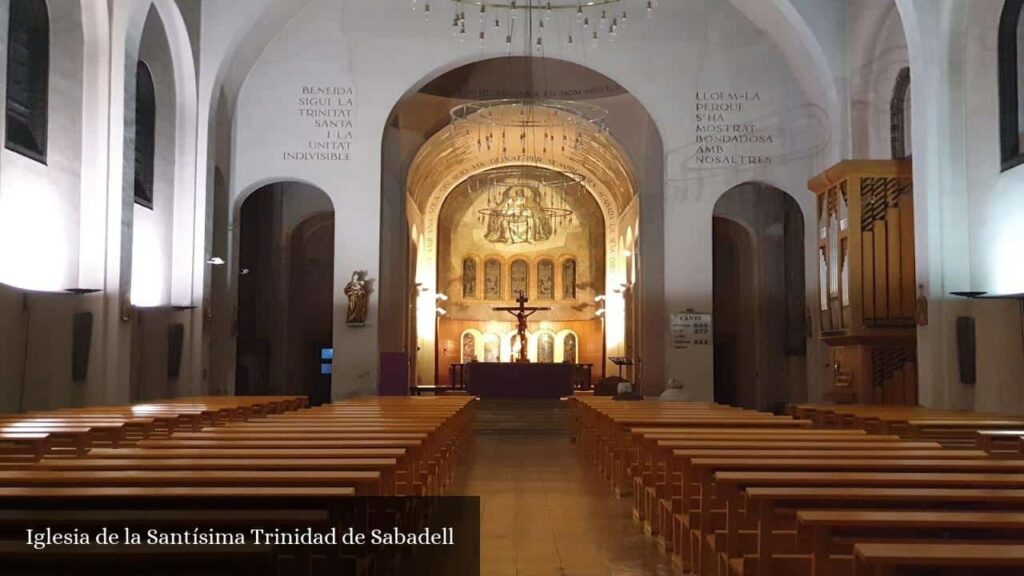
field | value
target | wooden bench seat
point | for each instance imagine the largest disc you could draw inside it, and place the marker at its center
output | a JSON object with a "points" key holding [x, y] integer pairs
{"points": [[364, 482], [730, 485], [881, 559], [823, 526], [33, 444]]}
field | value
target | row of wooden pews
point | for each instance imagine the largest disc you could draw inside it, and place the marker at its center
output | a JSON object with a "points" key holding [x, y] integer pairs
{"points": [[950, 428], [730, 491], [76, 430], [231, 463]]}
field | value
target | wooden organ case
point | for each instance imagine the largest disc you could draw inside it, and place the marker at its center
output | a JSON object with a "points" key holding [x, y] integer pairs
{"points": [[866, 280]]}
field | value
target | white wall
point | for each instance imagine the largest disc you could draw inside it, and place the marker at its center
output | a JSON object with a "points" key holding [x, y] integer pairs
{"points": [[877, 53], [39, 203], [995, 219], [152, 228]]}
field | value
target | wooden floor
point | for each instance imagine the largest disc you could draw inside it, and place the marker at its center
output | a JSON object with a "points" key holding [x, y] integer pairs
{"points": [[541, 513]]}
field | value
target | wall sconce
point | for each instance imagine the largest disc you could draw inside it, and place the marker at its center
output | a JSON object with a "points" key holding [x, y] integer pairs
{"points": [[600, 298], [441, 297], [441, 311], [599, 312], [216, 261]]}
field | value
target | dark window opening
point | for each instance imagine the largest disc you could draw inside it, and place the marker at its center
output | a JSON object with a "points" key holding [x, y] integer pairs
{"points": [[899, 115], [1011, 83], [145, 134], [28, 78]]}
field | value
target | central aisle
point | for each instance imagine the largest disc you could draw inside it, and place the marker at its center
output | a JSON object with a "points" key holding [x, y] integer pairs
{"points": [[541, 513]]}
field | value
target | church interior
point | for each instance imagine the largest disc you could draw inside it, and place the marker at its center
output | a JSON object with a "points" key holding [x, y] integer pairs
{"points": [[638, 287]]}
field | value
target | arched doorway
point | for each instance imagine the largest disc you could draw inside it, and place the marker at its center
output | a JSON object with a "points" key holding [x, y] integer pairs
{"points": [[420, 171], [759, 303], [286, 292]]}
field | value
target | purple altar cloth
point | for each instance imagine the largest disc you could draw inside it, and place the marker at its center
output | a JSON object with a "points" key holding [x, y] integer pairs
{"points": [[492, 380]]}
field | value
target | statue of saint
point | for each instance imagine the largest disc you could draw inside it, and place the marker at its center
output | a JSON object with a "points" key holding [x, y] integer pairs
{"points": [[358, 300]]}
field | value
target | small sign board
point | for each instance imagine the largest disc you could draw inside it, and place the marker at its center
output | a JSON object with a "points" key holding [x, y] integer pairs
{"points": [[690, 329]]}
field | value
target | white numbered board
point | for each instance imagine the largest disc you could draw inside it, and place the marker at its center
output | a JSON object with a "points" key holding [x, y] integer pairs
{"points": [[690, 329]]}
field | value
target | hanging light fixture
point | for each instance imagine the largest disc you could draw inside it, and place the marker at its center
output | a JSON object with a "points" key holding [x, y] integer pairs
{"points": [[542, 21], [526, 199]]}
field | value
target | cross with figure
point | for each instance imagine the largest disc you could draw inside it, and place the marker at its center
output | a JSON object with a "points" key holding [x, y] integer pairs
{"points": [[521, 312]]}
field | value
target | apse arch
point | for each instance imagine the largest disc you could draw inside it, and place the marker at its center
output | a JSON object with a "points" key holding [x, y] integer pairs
{"points": [[607, 168]]}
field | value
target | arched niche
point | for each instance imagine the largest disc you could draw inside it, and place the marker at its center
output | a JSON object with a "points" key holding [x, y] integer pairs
{"points": [[759, 308], [433, 157], [285, 292]]}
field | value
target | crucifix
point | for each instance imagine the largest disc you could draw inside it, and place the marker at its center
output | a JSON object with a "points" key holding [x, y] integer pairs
{"points": [[521, 312]]}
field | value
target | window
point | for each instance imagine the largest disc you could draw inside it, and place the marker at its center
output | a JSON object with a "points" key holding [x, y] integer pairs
{"points": [[520, 275], [469, 278], [28, 78], [569, 348], [546, 348], [326, 358], [545, 280], [899, 116], [1011, 83], [492, 280], [569, 279], [145, 134]]}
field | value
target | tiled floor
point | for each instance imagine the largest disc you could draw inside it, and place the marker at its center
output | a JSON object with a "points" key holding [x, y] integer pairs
{"points": [[542, 515]]}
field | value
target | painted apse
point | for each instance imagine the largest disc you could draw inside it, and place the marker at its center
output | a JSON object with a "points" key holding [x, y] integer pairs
{"points": [[502, 234]]}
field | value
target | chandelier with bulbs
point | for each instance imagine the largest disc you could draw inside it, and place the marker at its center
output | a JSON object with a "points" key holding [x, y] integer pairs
{"points": [[528, 127], [541, 22]]}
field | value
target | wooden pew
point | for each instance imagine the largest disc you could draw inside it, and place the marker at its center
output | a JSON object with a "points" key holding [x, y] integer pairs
{"points": [[993, 441], [823, 526], [22, 507], [763, 505], [938, 559], [731, 484], [364, 482], [33, 444]]}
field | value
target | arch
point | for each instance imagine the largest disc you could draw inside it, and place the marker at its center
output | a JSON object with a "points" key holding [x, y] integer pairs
{"points": [[492, 347], [758, 300], [568, 347], [568, 269], [493, 278], [471, 346], [285, 292], [519, 278], [470, 273], [545, 279], [899, 116], [128, 22], [145, 134], [787, 28], [427, 159], [546, 348]]}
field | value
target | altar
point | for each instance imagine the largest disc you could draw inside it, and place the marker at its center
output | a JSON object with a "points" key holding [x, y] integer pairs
{"points": [[519, 380]]}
